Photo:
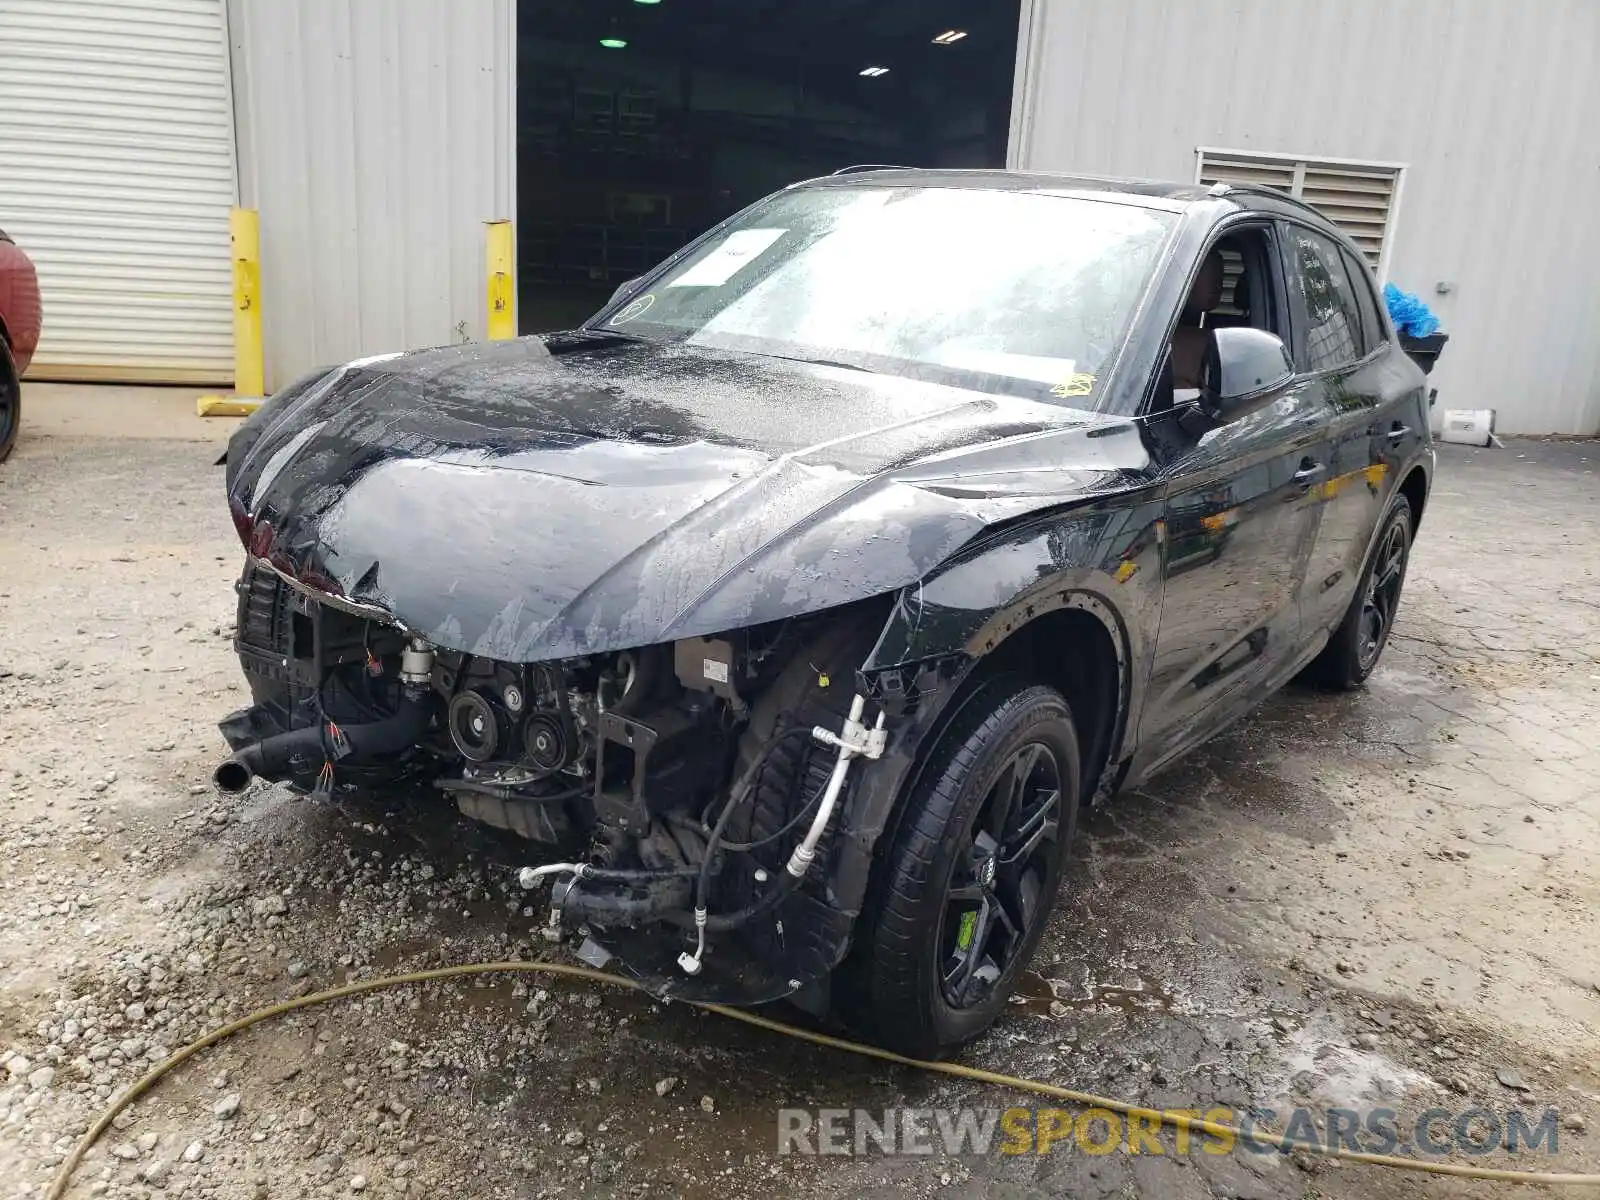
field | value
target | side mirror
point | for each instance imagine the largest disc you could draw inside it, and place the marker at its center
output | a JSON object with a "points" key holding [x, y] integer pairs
{"points": [[1246, 368]]}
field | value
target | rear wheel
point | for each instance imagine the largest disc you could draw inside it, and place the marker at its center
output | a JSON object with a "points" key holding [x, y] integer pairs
{"points": [[971, 875], [10, 401], [1355, 647]]}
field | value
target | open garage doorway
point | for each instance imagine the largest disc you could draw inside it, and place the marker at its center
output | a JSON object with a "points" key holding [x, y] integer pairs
{"points": [[642, 123]]}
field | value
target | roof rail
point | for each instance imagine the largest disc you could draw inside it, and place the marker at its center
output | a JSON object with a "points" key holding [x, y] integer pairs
{"points": [[1261, 189], [852, 169]]}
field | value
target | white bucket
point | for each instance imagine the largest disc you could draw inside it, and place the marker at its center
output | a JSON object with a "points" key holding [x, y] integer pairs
{"points": [[1468, 426]]}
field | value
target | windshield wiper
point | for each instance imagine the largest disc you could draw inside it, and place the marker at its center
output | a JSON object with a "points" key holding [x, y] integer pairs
{"points": [[826, 362], [602, 331]]}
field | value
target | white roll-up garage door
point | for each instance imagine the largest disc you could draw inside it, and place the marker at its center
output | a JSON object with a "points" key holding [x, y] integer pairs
{"points": [[116, 176]]}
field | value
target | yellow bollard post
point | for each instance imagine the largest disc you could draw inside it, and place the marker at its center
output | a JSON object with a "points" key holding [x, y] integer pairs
{"points": [[499, 267], [249, 368]]}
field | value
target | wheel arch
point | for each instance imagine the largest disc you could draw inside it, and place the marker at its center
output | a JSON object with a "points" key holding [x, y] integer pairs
{"points": [[1079, 650], [1414, 487], [1072, 640]]}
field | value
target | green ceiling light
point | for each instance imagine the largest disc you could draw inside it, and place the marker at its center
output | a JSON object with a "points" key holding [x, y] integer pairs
{"points": [[614, 43]]}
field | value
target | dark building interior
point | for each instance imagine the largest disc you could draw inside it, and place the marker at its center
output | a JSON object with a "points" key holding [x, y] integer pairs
{"points": [[641, 123]]}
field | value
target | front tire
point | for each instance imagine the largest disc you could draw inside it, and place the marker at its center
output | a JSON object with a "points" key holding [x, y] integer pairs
{"points": [[972, 873], [1353, 651]]}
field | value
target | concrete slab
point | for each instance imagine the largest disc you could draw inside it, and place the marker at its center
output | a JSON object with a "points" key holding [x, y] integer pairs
{"points": [[1385, 900], [116, 411]]}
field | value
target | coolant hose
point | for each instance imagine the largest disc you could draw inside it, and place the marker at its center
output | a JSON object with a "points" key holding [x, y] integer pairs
{"points": [[665, 897], [775, 895], [272, 757], [668, 893]]}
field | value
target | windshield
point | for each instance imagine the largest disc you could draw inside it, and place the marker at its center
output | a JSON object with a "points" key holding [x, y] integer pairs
{"points": [[1016, 292]]}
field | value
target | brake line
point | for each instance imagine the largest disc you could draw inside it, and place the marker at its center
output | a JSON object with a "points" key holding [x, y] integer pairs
{"points": [[1179, 1120]]}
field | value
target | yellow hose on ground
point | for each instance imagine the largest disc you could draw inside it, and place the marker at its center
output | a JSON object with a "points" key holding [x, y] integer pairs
{"points": [[58, 1186]]}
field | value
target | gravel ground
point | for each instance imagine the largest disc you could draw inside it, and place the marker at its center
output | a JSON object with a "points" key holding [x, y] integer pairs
{"points": [[1388, 897]]}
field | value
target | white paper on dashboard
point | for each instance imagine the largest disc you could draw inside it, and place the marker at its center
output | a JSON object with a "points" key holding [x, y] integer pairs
{"points": [[719, 266]]}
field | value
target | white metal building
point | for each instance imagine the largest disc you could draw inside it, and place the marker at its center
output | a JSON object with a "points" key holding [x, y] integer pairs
{"points": [[375, 139], [1463, 131], [1454, 138]]}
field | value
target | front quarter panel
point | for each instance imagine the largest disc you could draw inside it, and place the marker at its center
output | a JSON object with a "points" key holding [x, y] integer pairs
{"points": [[1105, 553], [1101, 556]]}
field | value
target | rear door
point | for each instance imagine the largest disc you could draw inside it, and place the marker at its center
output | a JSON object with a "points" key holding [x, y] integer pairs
{"points": [[1399, 388], [1334, 345]]}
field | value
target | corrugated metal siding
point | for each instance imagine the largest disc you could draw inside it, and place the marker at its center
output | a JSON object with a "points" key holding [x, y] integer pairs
{"points": [[375, 138], [116, 176], [1491, 104]]}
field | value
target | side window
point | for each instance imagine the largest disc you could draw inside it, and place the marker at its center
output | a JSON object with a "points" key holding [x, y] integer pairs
{"points": [[1372, 325], [1321, 302]]}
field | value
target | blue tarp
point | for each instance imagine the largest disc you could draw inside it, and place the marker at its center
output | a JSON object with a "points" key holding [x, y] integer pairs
{"points": [[1411, 317]]}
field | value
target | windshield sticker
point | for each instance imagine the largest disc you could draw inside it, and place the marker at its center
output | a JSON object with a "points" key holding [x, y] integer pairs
{"points": [[1074, 385], [634, 310], [723, 263]]}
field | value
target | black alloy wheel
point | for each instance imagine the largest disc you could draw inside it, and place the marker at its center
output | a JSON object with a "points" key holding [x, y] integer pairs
{"points": [[996, 894], [1382, 595], [966, 886], [1355, 646]]}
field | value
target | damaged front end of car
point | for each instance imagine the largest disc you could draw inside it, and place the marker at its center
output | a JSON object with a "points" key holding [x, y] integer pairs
{"points": [[687, 650], [689, 791]]}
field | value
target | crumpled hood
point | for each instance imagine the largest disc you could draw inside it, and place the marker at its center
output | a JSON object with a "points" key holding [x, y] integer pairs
{"points": [[564, 495]]}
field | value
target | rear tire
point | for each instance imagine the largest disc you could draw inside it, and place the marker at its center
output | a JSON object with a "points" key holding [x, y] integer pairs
{"points": [[10, 401], [971, 874], [1352, 653]]}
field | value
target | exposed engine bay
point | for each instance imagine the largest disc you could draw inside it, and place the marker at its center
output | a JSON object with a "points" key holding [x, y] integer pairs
{"points": [[686, 787]]}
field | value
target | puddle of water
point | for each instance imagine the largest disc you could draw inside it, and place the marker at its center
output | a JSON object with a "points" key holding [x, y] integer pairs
{"points": [[1049, 997]]}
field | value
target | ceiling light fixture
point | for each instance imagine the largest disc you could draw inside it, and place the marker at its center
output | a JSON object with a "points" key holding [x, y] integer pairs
{"points": [[614, 43], [874, 72], [950, 36], [647, 1]]}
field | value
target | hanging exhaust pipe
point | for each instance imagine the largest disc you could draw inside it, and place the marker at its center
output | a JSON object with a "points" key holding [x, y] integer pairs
{"points": [[232, 776], [298, 750]]}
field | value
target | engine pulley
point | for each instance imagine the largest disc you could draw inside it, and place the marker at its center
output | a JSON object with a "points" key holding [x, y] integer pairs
{"points": [[475, 726], [547, 742]]}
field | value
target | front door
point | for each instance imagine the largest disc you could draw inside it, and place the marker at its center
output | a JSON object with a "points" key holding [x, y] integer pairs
{"points": [[1240, 522]]}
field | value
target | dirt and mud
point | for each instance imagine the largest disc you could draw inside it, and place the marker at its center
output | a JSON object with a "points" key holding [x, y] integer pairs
{"points": [[1386, 898]]}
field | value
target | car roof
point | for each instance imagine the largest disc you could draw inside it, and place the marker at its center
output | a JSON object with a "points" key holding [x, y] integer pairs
{"points": [[1015, 181], [1146, 192]]}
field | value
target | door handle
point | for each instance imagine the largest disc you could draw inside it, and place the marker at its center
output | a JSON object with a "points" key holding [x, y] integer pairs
{"points": [[1309, 472], [1398, 432]]}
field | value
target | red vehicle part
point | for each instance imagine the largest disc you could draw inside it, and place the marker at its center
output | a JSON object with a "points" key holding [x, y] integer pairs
{"points": [[20, 314], [20, 318]]}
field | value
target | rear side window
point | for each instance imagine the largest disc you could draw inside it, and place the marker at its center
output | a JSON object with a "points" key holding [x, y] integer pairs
{"points": [[1372, 328], [1322, 303]]}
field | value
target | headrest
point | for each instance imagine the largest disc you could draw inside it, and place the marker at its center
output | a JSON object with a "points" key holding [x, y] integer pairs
{"points": [[1206, 293]]}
